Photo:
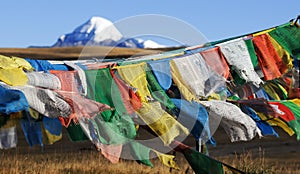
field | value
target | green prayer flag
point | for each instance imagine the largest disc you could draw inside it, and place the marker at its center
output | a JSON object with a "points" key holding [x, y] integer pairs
{"points": [[295, 125], [112, 127], [288, 37], [102, 88], [157, 92], [200, 163], [295, 109], [252, 52], [236, 78], [75, 133], [119, 130], [140, 153]]}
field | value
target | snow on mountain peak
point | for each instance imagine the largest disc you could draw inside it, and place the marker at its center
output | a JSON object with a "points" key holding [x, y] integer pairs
{"points": [[100, 28], [95, 23], [152, 44], [101, 32]]}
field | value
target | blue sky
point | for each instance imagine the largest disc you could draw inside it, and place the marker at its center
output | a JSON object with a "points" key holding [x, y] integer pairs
{"points": [[41, 22]]}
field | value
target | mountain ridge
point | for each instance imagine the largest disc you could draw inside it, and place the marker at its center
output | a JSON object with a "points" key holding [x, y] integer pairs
{"points": [[98, 31]]}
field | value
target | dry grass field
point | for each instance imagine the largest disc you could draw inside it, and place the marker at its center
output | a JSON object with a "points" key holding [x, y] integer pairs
{"points": [[93, 162], [267, 155]]}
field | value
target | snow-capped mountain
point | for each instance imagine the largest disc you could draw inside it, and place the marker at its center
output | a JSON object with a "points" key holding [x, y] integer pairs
{"points": [[101, 32]]}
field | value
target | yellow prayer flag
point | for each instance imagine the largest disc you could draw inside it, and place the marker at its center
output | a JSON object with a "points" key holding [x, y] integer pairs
{"points": [[167, 160], [11, 70], [7, 63], [163, 124], [14, 76], [33, 113], [135, 76], [49, 138], [263, 32], [296, 101], [277, 122], [270, 91], [22, 63]]}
